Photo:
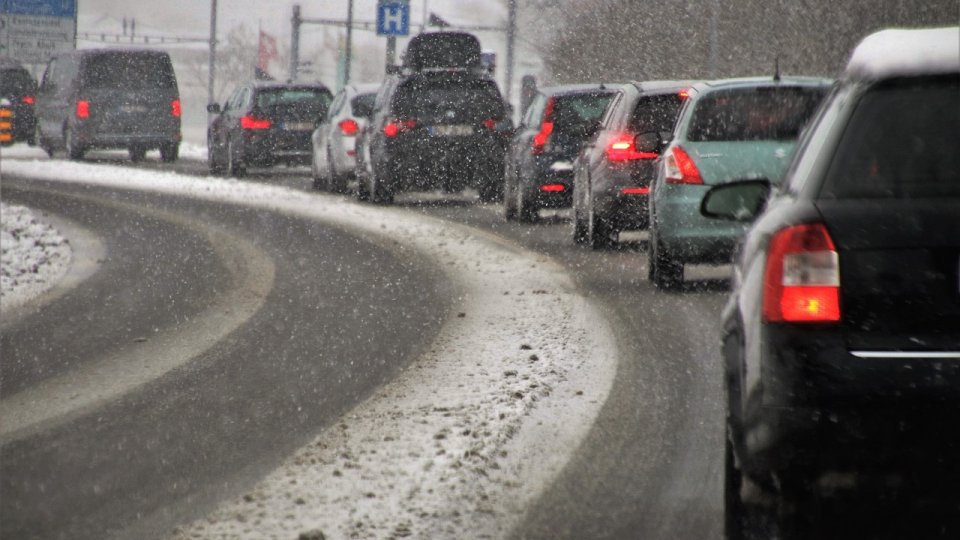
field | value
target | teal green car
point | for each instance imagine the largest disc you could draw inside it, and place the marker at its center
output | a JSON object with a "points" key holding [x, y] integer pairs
{"points": [[728, 130]]}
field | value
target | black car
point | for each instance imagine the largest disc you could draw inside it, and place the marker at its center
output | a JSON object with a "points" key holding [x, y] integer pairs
{"points": [[539, 169], [612, 175], [110, 98], [19, 88], [841, 341], [263, 124], [441, 123]]}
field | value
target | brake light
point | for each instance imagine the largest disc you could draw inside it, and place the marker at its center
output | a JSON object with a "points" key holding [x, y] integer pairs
{"points": [[252, 122], [542, 137], [29, 100], [553, 188], [684, 94], [802, 276], [83, 108], [395, 127], [348, 127], [623, 148], [175, 109], [490, 124], [680, 168], [635, 191]]}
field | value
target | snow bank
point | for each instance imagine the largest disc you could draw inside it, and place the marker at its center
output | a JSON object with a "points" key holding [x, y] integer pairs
{"points": [[33, 256], [470, 433]]}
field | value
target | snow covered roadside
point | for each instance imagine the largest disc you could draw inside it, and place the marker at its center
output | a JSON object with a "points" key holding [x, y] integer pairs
{"points": [[33, 256], [471, 432]]}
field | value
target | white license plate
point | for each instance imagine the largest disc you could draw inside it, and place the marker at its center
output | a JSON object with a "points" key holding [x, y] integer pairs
{"points": [[454, 130], [298, 126]]}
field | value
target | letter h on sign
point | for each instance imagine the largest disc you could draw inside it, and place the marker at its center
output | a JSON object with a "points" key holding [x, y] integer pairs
{"points": [[393, 18]]}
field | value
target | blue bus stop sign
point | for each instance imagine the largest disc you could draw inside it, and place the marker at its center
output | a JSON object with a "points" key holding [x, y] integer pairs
{"points": [[393, 17]]}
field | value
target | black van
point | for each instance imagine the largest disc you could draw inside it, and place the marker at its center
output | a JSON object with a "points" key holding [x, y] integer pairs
{"points": [[110, 98]]}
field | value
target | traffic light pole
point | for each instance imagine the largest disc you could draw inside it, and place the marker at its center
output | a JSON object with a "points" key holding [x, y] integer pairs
{"points": [[295, 22]]}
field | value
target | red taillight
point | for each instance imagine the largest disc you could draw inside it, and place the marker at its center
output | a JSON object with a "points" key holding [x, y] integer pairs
{"points": [[348, 127], [623, 148], [252, 122], [175, 109], [542, 137], [29, 100], [490, 124], [680, 168], [635, 191], [684, 94], [802, 276], [395, 127], [553, 188], [83, 109]]}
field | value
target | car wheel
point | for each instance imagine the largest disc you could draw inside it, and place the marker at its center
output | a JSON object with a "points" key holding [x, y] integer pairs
{"points": [[665, 272], [527, 211], [235, 165], [379, 193], [599, 235], [42, 141], [337, 183], [214, 165], [318, 181], [137, 153], [74, 150], [579, 228], [509, 198], [169, 152]]}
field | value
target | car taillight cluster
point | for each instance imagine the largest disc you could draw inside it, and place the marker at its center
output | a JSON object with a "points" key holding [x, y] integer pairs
{"points": [[83, 109], [623, 148], [542, 137], [28, 100], [680, 168], [252, 122], [348, 127], [396, 127], [175, 109], [802, 276]]}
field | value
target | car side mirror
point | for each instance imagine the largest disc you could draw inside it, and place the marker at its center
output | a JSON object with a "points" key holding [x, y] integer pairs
{"points": [[742, 200], [213, 108], [649, 142]]}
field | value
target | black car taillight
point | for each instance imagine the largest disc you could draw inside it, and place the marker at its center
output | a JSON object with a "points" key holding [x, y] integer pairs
{"points": [[801, 282]]}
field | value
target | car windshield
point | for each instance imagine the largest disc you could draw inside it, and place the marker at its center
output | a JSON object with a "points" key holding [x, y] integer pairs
{"points": [[656, 113], [362, 105], [754, 114], [901, 143], [128, 71], [429, 99], [577, 113], [309, 99]]}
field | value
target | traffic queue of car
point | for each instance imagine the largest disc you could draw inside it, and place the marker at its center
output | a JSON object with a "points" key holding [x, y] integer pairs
{"points": [[836, 201]]}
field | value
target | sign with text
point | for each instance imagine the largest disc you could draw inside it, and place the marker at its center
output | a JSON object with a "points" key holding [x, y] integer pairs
{"points": [[393, 17], [32, 31]]}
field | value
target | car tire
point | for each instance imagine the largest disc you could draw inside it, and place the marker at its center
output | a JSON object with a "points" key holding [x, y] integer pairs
{"points": [[665, 272], [235, 165], [214, 165], [579, 228], [137, 153], [42, 141], [509, 199], [599, 235], [74, 150], [319, 183], [169, 152], [527, 211], [379, 193]]}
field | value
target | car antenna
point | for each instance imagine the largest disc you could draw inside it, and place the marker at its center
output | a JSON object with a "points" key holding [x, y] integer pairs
{"points": [[776, 69]]}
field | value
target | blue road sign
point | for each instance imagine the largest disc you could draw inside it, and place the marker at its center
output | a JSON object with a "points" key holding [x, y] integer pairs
{"points": [[393, 18], [42, 8]]}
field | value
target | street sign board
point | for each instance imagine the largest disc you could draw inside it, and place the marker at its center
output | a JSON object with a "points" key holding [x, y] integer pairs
{"points": [[32, 31], [393, 17]]}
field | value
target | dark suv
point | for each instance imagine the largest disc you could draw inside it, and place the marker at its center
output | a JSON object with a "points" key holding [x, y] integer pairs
{"points": [[19, 88], [434, 126], [841, 338], [539, 170], [110, 98], [265, 123]]}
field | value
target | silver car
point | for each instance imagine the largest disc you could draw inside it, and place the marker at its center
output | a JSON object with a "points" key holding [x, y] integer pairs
{"points": [[334, 141]]}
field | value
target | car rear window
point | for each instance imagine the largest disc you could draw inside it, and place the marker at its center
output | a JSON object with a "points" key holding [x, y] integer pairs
{"points": [[900, 142], [127, 70], [655, 113], [362, 105], [753, 114], [577, 113], [430, 99], [16, 82], [315, 99]]}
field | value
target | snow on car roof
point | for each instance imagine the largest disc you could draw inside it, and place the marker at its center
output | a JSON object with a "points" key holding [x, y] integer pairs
{"points": [[901, 52]]}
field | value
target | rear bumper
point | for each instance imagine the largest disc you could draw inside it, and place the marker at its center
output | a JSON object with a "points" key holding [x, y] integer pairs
{"points": [[268, 148], [686, 234], [91, 136], [826, 408], [417, 163]]}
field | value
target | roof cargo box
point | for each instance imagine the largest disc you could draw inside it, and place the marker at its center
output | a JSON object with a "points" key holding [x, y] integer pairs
{"points": [[443, 50]]}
